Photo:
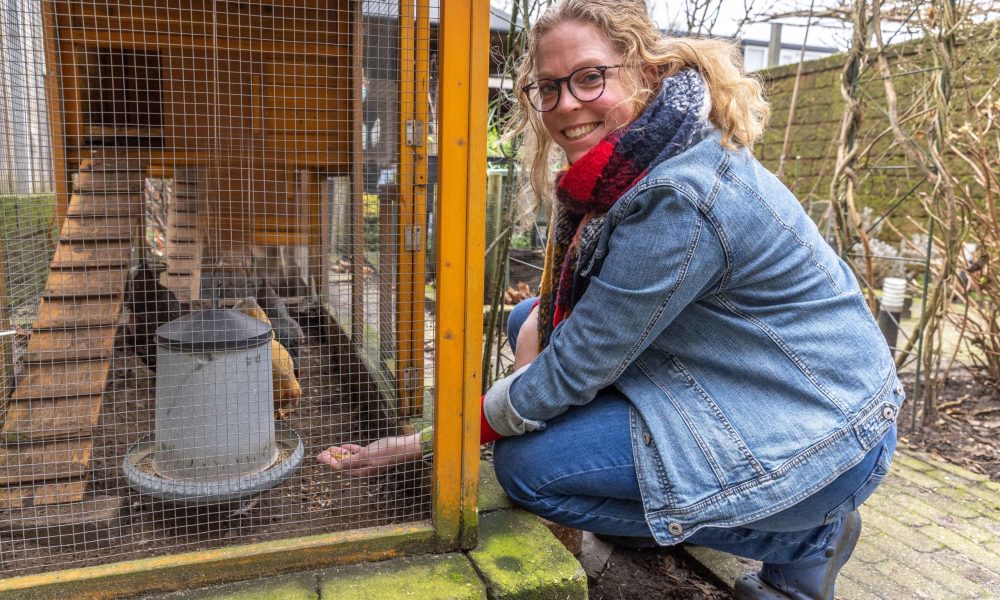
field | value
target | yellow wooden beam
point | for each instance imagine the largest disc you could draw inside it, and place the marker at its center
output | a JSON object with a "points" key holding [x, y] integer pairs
{"points": [[464, 39]]}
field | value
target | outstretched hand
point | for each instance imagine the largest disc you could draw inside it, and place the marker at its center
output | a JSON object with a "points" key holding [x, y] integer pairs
{"points": [[360, 461]]}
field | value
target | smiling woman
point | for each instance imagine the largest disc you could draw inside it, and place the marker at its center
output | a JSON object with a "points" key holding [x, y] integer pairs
{"points": [[700, 365], [576, 121]]}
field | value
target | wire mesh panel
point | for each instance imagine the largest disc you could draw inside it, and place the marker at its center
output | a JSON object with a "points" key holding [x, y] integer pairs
{"points": [[214, 236]]}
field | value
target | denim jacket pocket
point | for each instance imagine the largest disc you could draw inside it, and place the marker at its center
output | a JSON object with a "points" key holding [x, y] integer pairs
{"points": [[874, 479]]}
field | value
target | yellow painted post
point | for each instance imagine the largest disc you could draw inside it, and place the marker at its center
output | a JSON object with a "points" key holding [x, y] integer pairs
{"points": [[412, 217], [404, 278], [464, 48]]}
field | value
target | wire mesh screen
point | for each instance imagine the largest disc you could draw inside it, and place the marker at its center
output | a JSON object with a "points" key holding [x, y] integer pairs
{"points": [[215, 221]]}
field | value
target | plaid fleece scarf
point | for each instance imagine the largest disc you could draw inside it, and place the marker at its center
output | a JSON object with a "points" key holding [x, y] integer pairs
{"points": [[589, 188]]}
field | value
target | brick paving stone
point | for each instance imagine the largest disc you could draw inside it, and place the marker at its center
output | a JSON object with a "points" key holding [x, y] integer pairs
{"points": [[885, 523], [919, 478], [870, 548], [848, 587], [909, 582], [917, 513], [975, 573], [970, 549], [989, 525], [975, 494], [926, 463], [928, 565], [908, 510], [903, 457], [974, 488], [966, 508]]}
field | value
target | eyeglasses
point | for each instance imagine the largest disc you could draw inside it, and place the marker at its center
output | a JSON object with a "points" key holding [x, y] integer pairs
{"points": [[586, 84]]}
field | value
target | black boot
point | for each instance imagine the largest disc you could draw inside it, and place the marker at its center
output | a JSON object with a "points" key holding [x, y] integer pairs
{"points": [[807, 579]]}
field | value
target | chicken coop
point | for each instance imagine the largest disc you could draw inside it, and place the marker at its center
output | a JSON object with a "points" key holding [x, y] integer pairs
{"points": [[235, 234]]}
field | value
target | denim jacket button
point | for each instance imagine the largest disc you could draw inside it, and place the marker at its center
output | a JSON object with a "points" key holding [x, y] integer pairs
{"points": [[646, 438], [888, 412], [675, 529], [899, 387]]}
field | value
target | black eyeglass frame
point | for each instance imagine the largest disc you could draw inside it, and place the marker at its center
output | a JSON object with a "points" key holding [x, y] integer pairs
{"points": [[558, 81]]}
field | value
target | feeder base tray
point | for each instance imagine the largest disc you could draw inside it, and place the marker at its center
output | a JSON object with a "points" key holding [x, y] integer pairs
{"points": [[144, 478]]}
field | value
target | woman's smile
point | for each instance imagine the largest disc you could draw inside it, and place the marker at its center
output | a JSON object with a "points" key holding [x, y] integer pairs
{"points": [[579, 131]]}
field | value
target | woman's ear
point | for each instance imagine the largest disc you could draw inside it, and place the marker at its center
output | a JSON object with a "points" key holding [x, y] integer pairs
{"points": [[651, 75]]}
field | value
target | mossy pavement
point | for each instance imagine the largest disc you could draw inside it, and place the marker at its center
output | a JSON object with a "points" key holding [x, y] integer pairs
{"points": [[517, 558]]}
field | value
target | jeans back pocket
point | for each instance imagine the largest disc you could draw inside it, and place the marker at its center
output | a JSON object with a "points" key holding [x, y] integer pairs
{"points": [[870, 484]]}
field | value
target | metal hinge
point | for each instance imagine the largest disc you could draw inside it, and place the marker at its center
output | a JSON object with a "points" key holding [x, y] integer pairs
{"points": [[413, 238], [411, 378], [414, 132]]}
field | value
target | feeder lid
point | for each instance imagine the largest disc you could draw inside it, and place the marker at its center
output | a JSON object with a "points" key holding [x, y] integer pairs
{"points": [[213, 330]]}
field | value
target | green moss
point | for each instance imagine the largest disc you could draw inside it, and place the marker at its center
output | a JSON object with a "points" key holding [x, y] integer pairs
{"points": [[491, 495], [424, 577], [301, 587], [519, 558]]}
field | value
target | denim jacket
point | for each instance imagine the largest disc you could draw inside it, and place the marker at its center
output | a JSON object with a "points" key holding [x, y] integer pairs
{"points": [[755, 370]]}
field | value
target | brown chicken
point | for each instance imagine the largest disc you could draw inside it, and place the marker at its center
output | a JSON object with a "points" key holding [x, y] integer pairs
{"points": [[287, 390]]}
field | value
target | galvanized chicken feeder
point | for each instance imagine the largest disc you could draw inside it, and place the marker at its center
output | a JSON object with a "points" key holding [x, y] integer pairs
{"points": [[215, 438]]}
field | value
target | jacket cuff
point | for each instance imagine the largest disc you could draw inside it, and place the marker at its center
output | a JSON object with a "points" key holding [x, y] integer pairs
{"points": [[500, 413]]}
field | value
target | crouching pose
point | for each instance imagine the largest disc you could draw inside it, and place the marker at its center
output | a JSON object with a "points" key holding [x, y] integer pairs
{"points": [[700, 367]]}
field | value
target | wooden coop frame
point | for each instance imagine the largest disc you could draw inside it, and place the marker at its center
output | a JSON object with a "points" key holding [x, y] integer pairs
{"points": [[131, 150]]}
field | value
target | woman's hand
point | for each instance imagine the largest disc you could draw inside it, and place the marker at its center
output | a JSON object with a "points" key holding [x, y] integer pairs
{"points": [[360, 461], [527, 341]]}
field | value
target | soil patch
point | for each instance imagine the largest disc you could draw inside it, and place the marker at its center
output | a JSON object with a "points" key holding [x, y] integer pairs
{"points": [[655, 574], [966, 430]]}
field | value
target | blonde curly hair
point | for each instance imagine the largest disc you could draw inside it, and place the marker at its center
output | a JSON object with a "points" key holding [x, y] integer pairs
{"points": [[739, 110]]}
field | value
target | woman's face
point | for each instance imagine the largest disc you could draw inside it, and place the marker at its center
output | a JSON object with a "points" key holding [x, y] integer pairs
{"points": [[578, 126]]}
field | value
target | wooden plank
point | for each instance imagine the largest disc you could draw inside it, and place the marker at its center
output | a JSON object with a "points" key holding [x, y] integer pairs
{"points": [[157, 42], [264, 238], [70, 523], [306, 123], [104, 205], [181, 252], [77, 343], [41, 494], [92, 255], [322, 23], [184, 237], [58, 313], [182, 219], [102, 182], [183, 265], [51, 419], [59, 380], [45, 462], [97, 228], [162, 160], [333, 144], [74, 284]]}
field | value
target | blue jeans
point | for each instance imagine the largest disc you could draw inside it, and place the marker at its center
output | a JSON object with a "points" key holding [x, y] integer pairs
{"points": [[580, 472]]}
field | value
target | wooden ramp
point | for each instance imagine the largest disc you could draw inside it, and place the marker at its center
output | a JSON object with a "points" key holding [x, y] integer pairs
{"points": [[46, 438], [184, 241]]}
